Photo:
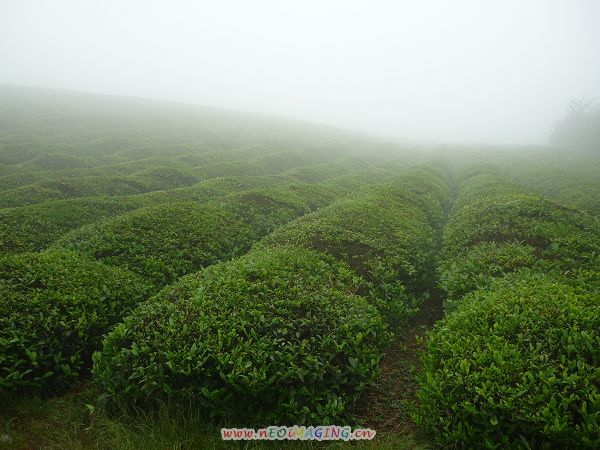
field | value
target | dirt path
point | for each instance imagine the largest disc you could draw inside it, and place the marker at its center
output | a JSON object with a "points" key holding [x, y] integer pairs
{"points": [[386, 408]]}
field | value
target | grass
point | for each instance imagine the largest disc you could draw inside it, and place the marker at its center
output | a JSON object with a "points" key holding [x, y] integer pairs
{"points": [[68, 423]]}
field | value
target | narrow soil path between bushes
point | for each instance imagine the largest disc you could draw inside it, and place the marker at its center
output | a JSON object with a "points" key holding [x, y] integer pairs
{"points": [[386, 407]]}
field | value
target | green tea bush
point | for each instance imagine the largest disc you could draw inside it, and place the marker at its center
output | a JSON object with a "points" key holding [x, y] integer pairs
{"points": [[160, 178], [529, 219], [515, 366], [76, 185], [212, 189], [515, 362], [162, 242], [352, 182], [166, 241], [496, 228], [384, 234], [55, 308], [571, 180], [34, 227], [69, 188], [14, 180], [278, 334], [269, 164], [475, 268], [57, 161], [314, 174]]}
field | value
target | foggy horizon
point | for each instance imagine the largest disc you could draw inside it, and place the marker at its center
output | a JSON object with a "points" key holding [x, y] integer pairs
{"points": [[427, 71]]}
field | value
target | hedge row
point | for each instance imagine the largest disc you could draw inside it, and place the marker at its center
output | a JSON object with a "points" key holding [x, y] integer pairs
{"points": [[35, 227], [56, 305], [497, 228], [514, 364], [386, 235], [169, 240], [276, 334], [568, 178], [152, 178], [55, 308], [291, 331]]}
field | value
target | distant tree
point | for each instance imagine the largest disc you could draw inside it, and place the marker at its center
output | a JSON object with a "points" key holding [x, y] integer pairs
{"points": [[580, 128]]}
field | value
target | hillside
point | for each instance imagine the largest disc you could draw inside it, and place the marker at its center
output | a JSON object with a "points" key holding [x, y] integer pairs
{"points": [[168, 270]]}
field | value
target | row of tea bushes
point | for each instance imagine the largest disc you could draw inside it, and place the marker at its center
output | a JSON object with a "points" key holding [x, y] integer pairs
{"points": [[159, 243], [55, 307], [277, 334], [571, 179], [152, 178], [35, 227], [514, 364], [169, 240], [386, 235], [497, 228], [57, 304], [47, 168], [291, 330]]}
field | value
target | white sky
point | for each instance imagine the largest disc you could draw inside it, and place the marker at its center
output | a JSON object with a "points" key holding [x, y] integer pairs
{"points": [[492, 71]]}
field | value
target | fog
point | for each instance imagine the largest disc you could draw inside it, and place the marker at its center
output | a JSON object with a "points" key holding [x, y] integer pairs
{"points": [[476, 71]]}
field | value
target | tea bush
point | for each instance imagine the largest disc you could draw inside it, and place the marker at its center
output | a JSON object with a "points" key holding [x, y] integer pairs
{"points": [[385, 234], [275, 335], [515, 366], [496, 228], [571, 180], [514, 363], [475, 268], [69, 188], [55, 308], [166, 241], [34, 227]]}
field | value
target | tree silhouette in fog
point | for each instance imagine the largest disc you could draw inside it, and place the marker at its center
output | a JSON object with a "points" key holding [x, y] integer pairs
{"points": [[580, 128]]}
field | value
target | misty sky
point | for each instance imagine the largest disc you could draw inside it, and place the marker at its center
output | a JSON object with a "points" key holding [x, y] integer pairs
{"points": [[490, 71]]}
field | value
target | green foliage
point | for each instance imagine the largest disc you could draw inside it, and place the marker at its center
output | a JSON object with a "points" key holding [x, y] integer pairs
{"points": [[55, 308], [150, 242], [515, 366], [570, 179], [474, 269], [34, 227], [275, 335], [564, 237], [515, 362], [352, 182], [384, 234], [69, 188]]}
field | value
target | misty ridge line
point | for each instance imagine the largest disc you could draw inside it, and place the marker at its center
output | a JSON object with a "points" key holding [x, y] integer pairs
{"points": [[461, 72]]}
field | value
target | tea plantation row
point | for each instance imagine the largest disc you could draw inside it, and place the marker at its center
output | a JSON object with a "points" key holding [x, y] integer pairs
{"points": [[34, 227], [56, 305], [55, 186], [295, 329], [568, 178], [515, 362]]}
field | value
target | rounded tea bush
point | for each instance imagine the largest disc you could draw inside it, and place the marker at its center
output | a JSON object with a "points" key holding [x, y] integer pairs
{"points": [[515, 366], [54, 310], [481, 264], [277, 334]]}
